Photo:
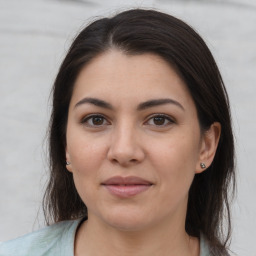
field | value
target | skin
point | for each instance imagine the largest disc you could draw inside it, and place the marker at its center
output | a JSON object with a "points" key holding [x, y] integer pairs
{"points": [[126, 140]]}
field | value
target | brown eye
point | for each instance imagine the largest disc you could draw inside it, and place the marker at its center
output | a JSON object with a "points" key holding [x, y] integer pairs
{"points": [[97, 120], [94, 121], [159, 120]]}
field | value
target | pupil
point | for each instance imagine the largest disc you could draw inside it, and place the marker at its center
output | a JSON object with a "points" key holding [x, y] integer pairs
{"points": [[97, 120], [159, 120]]}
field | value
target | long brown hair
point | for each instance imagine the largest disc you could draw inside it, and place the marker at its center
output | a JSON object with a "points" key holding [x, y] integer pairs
{"points": [[140, 31]]}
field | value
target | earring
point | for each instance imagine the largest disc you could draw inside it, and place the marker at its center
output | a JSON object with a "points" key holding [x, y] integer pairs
{"points": [[203, 166], [67, 163]]}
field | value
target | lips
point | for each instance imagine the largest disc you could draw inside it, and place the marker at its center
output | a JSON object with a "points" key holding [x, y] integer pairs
{"points": [[126, 186], [131, 180]]}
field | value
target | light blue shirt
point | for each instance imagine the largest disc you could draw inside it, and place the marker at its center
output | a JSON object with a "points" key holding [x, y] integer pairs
{"points": [[55, 240]]}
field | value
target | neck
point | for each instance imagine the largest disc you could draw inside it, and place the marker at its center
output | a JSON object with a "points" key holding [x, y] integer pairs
{"points": [[95, 238]]}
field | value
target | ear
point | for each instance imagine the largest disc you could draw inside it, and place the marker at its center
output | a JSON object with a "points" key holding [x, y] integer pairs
{"points": [[209, 144], [68, 161]]}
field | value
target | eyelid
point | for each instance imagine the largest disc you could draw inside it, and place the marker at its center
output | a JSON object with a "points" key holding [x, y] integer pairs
{"points": [[170, 119], [85, 119]]}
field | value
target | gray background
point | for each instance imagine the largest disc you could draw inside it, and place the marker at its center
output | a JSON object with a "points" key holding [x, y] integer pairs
{"points": [[34, 36]]}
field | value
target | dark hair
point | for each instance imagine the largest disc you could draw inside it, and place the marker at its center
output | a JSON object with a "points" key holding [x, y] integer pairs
{"points": [[140, 31]]}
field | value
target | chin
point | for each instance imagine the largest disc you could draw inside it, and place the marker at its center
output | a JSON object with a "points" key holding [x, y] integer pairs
{"points": [[128, 221]]}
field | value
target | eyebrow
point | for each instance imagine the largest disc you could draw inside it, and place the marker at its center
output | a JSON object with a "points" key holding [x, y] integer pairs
{"points": [[94, 101], [141, 106], [158, 102]]}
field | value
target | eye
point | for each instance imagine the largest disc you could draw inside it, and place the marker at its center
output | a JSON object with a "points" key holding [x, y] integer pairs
{"points": [[160, 120], [94, 121]]}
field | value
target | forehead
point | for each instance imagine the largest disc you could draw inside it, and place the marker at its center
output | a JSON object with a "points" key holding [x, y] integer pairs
{"points": [[116, 76]]}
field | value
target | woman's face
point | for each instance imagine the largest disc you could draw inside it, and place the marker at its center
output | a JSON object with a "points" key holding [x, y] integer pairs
{"points": [[133, 141]]}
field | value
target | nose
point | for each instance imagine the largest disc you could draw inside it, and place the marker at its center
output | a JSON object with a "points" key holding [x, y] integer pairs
{"points": [[125, 148]]}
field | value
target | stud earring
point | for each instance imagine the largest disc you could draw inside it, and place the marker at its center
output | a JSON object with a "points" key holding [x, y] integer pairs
{"points": [[203, 166], [67, 163]]}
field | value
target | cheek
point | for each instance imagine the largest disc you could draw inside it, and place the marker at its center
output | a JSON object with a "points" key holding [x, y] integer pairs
{"points": [[175, 161], [86, 159], [86, 156], [85, 151]]}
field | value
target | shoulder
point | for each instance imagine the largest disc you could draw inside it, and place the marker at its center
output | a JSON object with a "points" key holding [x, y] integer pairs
{"points": [[44, 242], [207, 250], [204, 246]]}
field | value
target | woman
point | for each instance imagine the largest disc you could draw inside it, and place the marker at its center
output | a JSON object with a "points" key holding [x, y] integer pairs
{"points": [[141, 145]]}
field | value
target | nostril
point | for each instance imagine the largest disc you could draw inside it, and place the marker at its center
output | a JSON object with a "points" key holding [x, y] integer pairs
{"points": [[124, 161], [127, 154], [114, 160]]}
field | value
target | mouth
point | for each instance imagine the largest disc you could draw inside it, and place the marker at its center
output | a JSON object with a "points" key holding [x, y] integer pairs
{"points": [[126, 186]]}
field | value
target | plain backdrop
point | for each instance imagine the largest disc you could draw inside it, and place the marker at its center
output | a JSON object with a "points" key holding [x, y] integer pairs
{"points": [[34, 37]]}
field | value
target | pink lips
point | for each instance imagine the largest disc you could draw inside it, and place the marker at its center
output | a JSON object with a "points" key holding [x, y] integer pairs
{"points": [[126, 186]]}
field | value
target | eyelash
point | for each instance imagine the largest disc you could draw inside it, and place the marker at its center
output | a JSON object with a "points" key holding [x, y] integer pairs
{"points": [[164, 116], [86, 119], [167, 118]]}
